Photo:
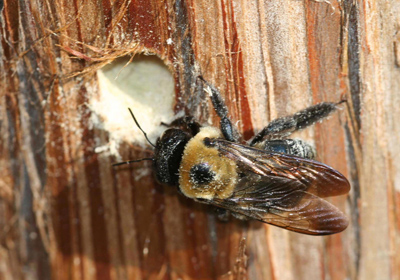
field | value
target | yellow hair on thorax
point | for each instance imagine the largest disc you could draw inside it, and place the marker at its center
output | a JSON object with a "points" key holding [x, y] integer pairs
{"points": [[196, 152]]}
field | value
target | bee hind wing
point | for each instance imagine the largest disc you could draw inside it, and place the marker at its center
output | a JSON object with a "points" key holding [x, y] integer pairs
{"points": [[284, 190], [294, 210]]}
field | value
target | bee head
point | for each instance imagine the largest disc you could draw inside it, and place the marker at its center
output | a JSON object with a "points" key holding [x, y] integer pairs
{"points": [[168, 154]]}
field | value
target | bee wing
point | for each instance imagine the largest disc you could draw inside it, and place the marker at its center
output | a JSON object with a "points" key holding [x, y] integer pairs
{"points": [[284, 190]]}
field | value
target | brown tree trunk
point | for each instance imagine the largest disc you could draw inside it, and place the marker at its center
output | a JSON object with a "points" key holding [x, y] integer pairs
{"points": [[66, 213]]}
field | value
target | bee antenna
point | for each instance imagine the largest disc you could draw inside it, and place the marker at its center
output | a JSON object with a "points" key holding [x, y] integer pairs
{"points": [[137, 124], [131, 161]]}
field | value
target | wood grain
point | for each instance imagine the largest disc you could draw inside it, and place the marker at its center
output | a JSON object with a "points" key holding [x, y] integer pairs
{"points": [[65, 213]]}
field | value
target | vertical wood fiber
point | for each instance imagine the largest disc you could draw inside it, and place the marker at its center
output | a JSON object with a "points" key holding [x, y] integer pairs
{"points": [[65, 213]]}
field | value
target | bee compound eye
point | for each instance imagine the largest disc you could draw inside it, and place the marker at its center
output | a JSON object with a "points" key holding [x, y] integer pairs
{"points": [[201, 174]]}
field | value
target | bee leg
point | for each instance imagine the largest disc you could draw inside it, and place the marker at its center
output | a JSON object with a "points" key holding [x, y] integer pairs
{"points": [[283, 127], [222, 214], [240, 216], [228, 129], [294, 147], [276, 129], [186, 123]]}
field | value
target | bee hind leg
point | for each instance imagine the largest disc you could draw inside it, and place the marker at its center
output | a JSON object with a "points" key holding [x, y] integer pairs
{"points": [[281, 128], [224, 215]]}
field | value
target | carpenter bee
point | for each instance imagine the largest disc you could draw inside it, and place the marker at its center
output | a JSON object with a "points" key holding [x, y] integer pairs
{"points": [[270, 178]]}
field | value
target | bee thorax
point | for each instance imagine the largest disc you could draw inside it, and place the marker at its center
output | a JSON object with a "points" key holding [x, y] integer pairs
{"points": [[204, 173]]}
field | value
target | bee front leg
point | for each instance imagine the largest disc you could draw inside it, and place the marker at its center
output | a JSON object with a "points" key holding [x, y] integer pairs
{"points": [[186, 123], [228, 129], [282, 127]]}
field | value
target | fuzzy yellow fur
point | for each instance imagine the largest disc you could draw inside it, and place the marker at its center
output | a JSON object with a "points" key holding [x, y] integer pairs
{"points": [[225, 169]]}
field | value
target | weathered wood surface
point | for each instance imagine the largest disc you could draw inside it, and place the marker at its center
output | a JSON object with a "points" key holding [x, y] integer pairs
{"points": [[65, 213]]}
